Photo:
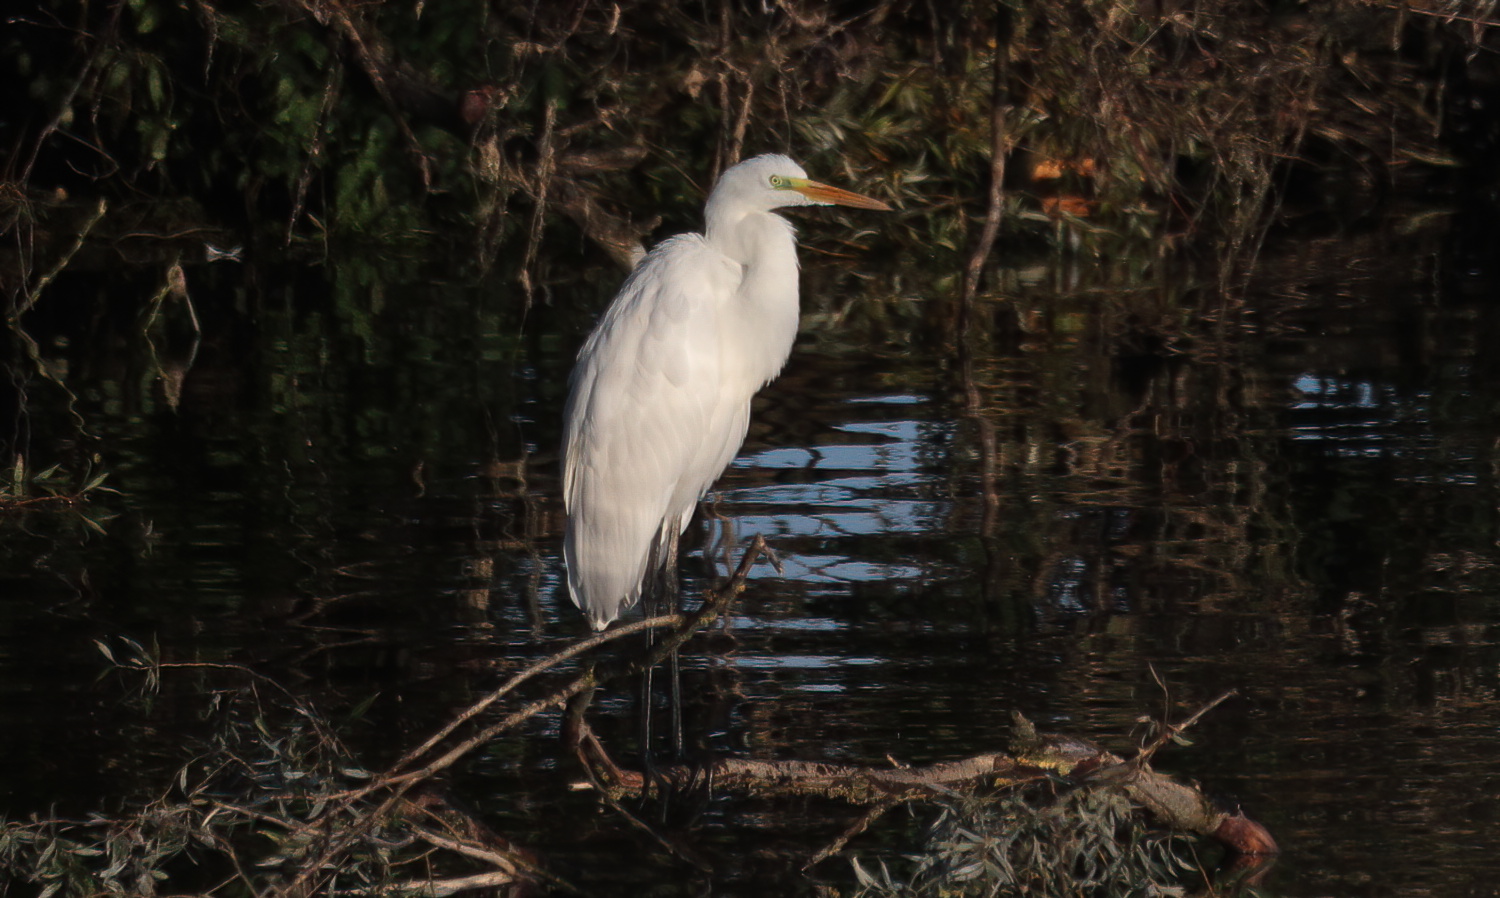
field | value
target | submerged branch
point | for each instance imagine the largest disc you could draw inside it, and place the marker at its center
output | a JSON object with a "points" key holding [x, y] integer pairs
{"points": [[1032, 758]]}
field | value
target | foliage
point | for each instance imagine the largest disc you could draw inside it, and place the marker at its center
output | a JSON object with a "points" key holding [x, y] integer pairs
{"points": [[1085, 841], [378, 123], [237, 817], [54, 490]]}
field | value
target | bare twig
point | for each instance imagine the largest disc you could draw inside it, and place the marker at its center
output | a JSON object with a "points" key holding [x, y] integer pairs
{"points": [[1171, 731], [34, 290], [375, 67], [439, 888], [546, 162], [545, 664], [854, 829], [9, 504], [999, 152], [349, 833], [313, 151], [715, 604], [592, 756], [1447, 16], [400, 782], [65, 103]]}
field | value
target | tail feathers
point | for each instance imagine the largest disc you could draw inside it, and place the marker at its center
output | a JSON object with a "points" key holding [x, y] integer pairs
{"points": [[601, 589], [606, 580]]}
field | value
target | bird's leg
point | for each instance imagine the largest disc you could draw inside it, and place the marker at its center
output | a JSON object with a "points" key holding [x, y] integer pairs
{"points": [[663, 594], [672, 593], [643, 735]]}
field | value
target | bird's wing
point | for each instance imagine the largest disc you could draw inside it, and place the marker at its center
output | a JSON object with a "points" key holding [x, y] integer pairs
{"points": [[647, 417]]}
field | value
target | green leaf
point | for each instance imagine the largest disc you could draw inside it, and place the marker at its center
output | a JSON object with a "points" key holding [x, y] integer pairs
{"points": [[146, 17], [155, 89]]}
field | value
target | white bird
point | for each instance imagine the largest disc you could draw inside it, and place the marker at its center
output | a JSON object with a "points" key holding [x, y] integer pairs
{"points": [[660, 396]]}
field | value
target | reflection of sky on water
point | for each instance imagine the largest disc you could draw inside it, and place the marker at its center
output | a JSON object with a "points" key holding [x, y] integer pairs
{"points": [[1369, 419], [851, 490], [814, 672], [1355, 417], [902, 453], [803, 662], [861, 517], [834, 569], [894, 399], [827, 492], [806, 624]]}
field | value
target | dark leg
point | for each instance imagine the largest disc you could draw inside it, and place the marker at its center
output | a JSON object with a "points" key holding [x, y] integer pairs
{"points": [[662, 594], [672, 595]]}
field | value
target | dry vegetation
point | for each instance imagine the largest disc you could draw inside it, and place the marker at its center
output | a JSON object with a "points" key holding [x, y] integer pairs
{"points": [[1177, 125]]}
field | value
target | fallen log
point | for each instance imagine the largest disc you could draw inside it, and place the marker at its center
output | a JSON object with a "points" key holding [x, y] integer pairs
{"points": [[1032, 757]]}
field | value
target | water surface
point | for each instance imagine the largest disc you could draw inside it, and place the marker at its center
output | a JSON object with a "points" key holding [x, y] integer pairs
{"points": [[1124, 481]]}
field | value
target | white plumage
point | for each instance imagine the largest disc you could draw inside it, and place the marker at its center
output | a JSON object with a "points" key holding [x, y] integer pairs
{"points": [[660, 396]]}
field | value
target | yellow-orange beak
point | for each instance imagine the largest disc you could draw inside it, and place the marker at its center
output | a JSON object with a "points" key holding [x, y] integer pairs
{"points": [[829, 195]]}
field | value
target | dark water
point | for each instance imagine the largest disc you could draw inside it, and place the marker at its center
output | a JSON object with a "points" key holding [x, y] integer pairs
{"points": [[1127, 481]]}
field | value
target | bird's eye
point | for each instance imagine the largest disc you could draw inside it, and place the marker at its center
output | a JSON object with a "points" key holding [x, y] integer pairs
{"points": [[778, 181]]}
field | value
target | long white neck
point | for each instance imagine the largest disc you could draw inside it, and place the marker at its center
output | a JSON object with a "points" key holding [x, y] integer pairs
{"points": [[767, 301]]}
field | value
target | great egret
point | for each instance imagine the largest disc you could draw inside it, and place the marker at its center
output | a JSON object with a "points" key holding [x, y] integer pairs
{"points": [[660, 397]]}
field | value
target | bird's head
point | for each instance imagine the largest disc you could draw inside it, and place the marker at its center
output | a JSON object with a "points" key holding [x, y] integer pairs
{"points": [[773, 181]]}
